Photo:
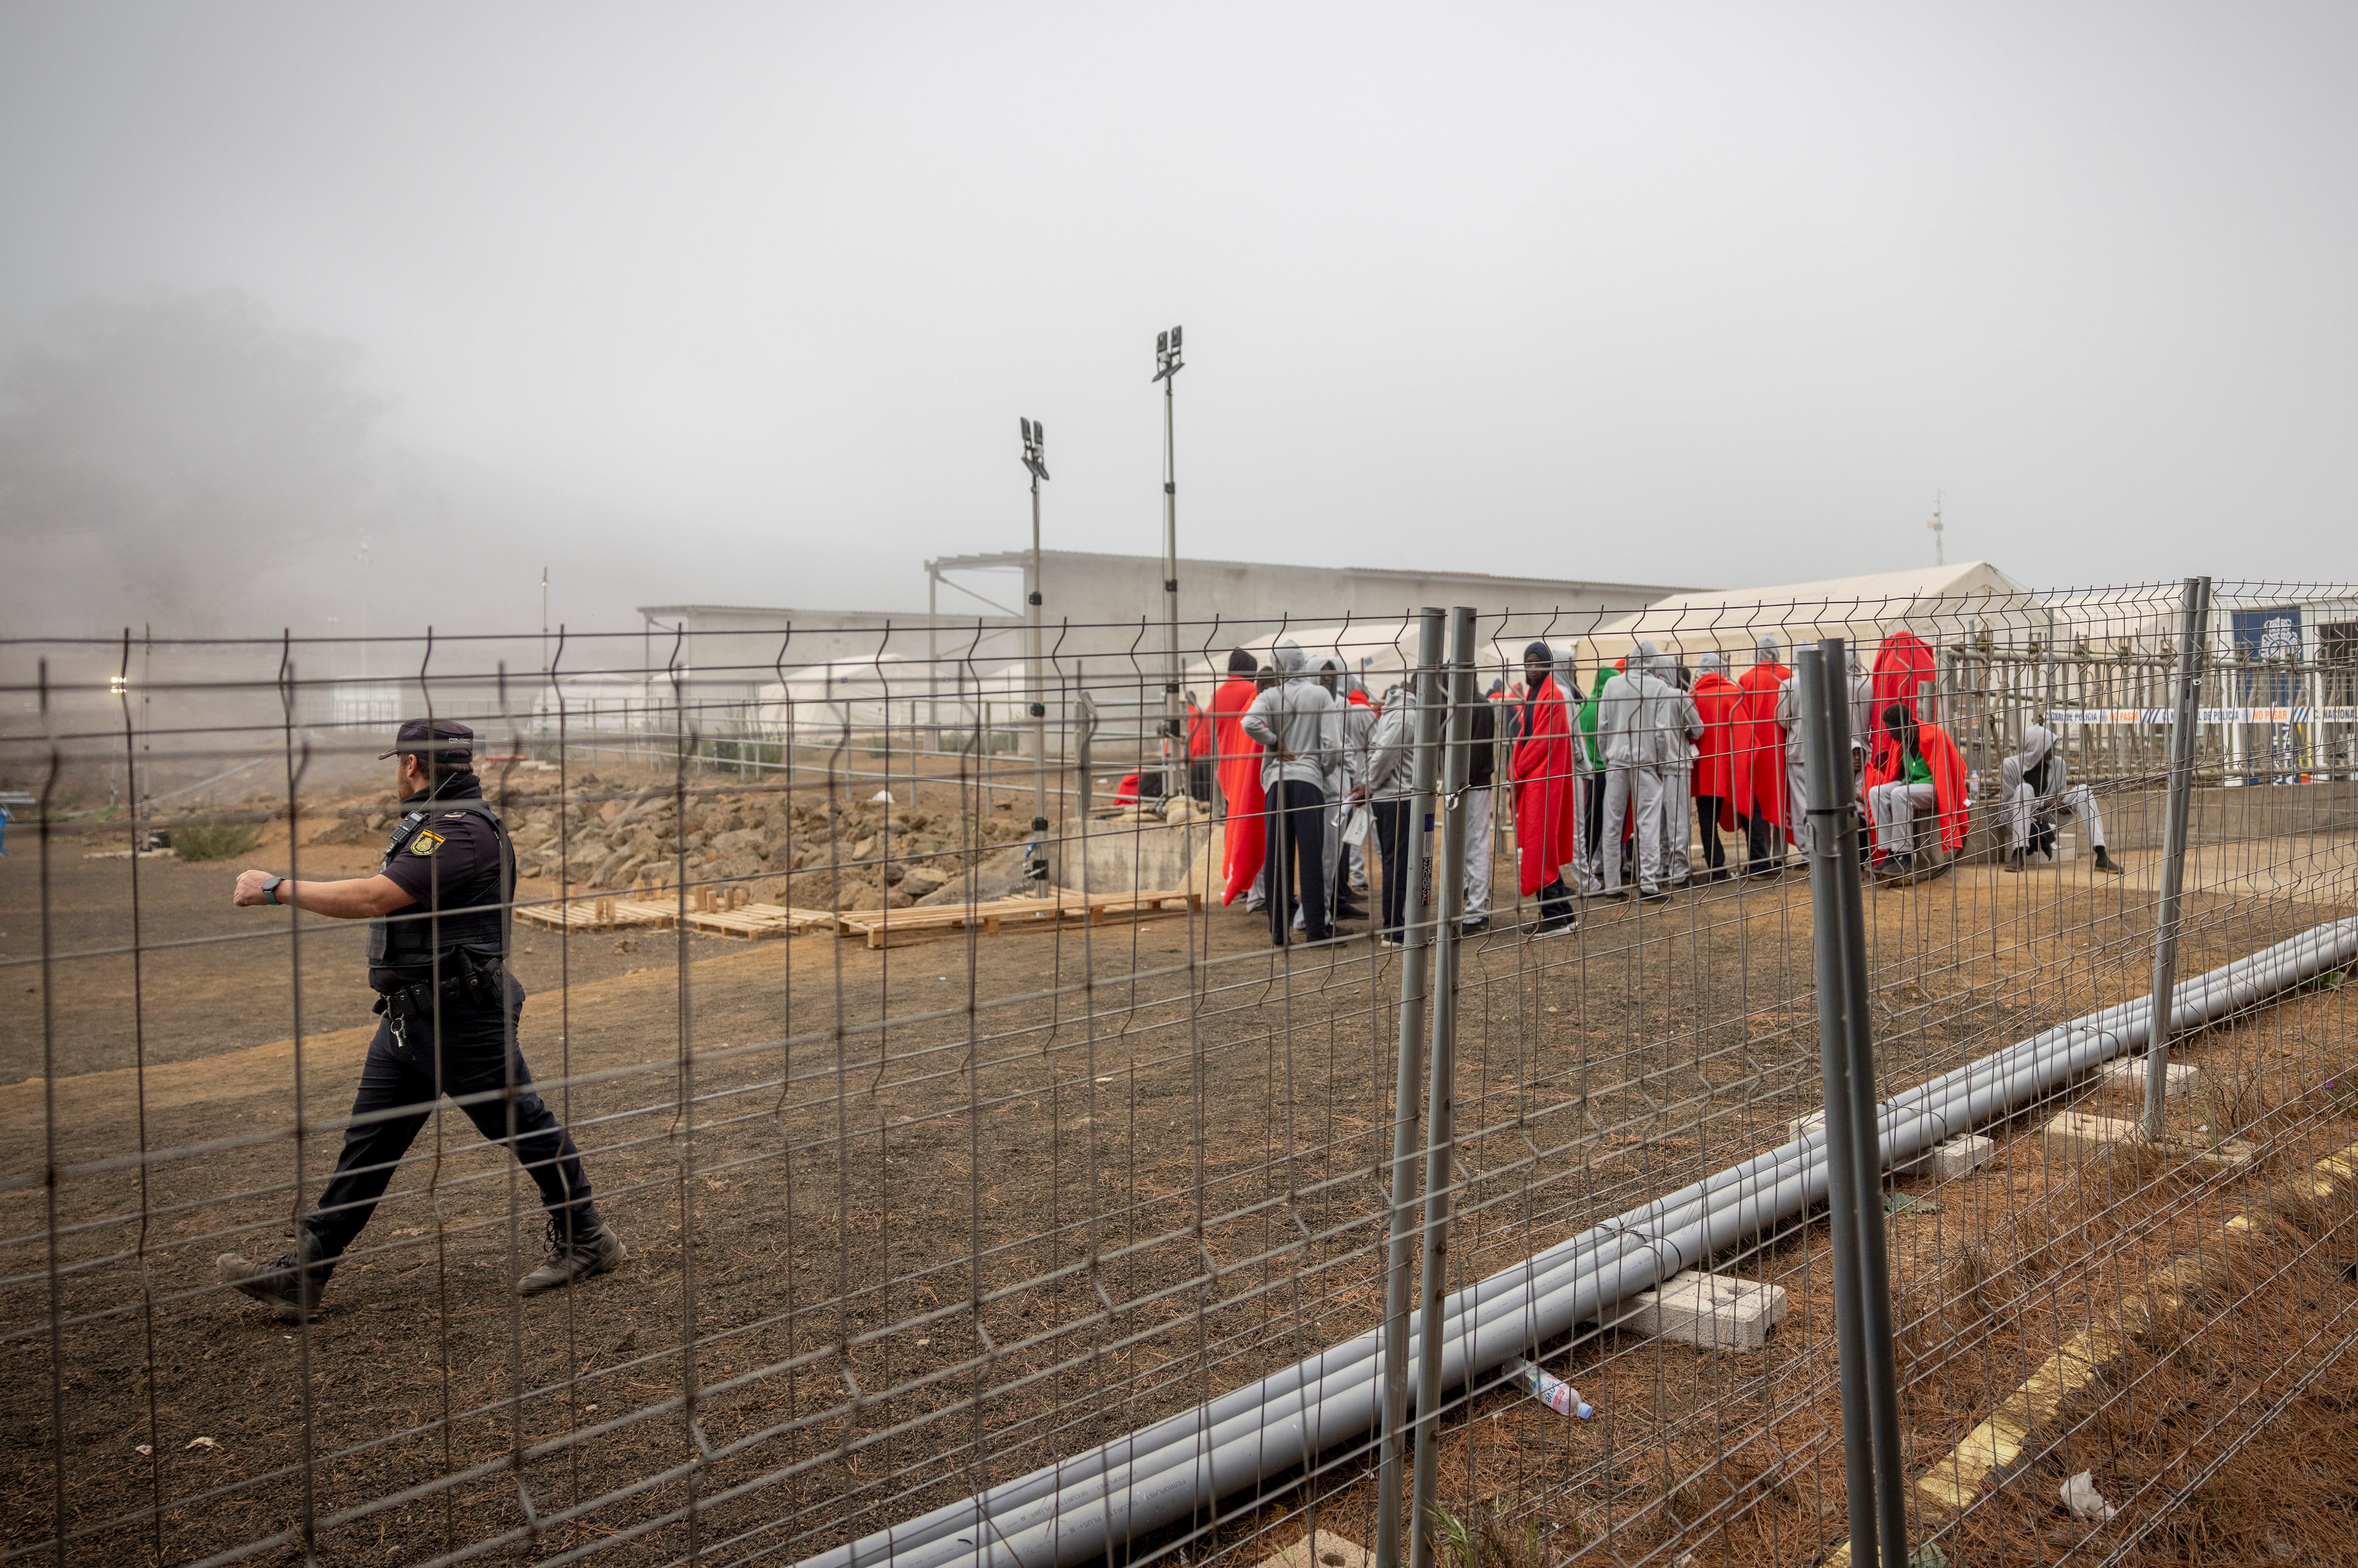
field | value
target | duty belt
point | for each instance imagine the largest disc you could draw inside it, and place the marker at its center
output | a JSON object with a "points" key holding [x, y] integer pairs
{"points": [[468, 982]]}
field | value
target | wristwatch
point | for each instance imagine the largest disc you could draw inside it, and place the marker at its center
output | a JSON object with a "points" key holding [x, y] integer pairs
{"points": [[270, 889]]}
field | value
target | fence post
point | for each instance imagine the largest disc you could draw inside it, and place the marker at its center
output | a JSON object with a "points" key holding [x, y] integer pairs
{"points": [[1441, 1137], [1084, 733], [1870, 1394], [2188, 689], [1424, 769]]}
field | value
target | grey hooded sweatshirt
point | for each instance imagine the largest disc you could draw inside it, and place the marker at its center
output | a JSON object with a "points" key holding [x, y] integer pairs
{"points": [[1635, 727], [2038, 749], [1297, 720], [1387, 775], [1671, 714]]}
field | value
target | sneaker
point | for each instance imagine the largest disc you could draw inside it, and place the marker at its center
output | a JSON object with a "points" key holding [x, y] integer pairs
{"points": [[1388, 940], [280, 1283], [1474, 926], [592, 1249], [1556, 927], [1657, 896]]}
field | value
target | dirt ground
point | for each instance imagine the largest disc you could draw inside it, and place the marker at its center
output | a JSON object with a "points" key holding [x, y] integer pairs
{"points": [[904, 1223]]}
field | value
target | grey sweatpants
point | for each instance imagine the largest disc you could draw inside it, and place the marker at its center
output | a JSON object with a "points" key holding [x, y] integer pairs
{"points": [[1645, 786], [2077, 800], [1894, 806], [1677, 818], [1475, 805]]}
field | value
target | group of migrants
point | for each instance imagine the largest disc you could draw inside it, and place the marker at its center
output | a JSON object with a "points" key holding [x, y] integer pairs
{"points": [[1611, 792]]}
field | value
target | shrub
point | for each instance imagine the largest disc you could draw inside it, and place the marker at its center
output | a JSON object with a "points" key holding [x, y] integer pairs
{"points": [[219, 842]]}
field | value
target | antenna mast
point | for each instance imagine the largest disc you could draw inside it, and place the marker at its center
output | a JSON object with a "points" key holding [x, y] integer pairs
{"points": [[1939, 557]]}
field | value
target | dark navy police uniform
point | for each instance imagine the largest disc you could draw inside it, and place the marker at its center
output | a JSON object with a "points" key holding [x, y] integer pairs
{"points": [[450, 1014]]}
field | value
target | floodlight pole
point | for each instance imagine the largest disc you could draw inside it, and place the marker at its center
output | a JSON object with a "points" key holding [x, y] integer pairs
{"points": [[1166, 370], [1035, 458]]}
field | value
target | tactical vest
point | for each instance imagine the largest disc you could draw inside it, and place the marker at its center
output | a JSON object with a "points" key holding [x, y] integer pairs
{"points": [[415, 937]]}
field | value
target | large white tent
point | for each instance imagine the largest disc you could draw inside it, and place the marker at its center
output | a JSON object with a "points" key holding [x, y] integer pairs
{"points": [[1940, 604]]}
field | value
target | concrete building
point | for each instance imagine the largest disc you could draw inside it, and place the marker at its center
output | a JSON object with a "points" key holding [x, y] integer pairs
{"points": [[1108, 592], [733, 650], [1106, 611]]}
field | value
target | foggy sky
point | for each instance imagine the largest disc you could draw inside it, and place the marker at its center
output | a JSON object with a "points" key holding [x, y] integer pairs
{"points": [[741, 304]]}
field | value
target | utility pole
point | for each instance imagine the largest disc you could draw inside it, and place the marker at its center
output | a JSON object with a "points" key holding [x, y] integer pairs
{"points": [[1166, 370], [361, 555], [1934, 523], [1035, 458]]}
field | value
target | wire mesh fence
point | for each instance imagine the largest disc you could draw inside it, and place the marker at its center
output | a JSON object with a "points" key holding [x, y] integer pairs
{"points": [[1002, 1182]]}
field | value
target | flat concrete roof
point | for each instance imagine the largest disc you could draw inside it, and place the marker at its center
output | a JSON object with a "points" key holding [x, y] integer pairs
{"points": [[773, 610], [1017, 559]]}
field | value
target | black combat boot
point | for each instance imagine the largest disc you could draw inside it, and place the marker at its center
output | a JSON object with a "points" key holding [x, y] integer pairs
{"points": [[581, 1246], [291, 1282], [2106, 863], [2014, 862]]}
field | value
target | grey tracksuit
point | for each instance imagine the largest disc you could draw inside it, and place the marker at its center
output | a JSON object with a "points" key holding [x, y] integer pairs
{"points": [[1679, 725], [1631, 714], [2035, 789], [1297, 721]]}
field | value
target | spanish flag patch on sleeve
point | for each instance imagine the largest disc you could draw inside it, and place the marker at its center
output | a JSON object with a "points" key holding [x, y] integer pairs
{"points": [[425, 843]]}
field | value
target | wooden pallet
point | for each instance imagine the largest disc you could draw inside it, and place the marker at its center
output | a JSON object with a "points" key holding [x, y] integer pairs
{"points": [[1104, 906], [1059, 906], [599, 911], [759, 922], [896, 927]]}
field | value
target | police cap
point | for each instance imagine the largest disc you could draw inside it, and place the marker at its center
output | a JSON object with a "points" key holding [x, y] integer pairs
{"points": [[444, 739]]}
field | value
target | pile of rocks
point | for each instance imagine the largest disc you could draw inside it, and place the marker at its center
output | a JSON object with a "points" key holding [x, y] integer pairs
{"points": [[621, 832]]}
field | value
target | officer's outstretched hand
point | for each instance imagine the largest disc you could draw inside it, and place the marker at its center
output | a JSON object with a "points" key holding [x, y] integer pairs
{"points": [[249, 888]]}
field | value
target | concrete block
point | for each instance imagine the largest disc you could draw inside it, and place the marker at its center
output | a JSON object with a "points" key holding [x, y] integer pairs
{"points": [[2129, 1072], [1712, 1311], [2075, 1134], [1327, 1550], [1961, 1156]]}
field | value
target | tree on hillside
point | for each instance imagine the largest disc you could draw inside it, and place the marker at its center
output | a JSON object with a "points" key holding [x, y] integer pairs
{"points": [[156, 455]]}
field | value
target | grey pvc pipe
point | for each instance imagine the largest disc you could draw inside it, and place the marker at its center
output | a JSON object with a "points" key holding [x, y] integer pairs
{"points": [[1072, 1511]]}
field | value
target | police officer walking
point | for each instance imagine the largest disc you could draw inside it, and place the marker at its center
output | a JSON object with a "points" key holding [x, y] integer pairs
{"points": [[437, 914]]}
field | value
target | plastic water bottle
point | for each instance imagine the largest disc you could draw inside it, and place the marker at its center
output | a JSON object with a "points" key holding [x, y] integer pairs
{"points": [[1552, 1391]]}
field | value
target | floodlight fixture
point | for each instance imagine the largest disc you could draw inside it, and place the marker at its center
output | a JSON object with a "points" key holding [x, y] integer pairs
{"points": [[1035, 449], [1166, 354]]}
